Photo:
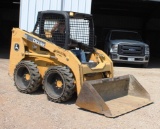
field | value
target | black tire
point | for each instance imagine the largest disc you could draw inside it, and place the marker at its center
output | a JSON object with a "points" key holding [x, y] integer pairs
{"points": [[59, 84], [26, 77]]}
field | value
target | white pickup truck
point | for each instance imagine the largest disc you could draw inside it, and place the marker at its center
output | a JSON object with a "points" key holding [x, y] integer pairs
{"points": [[127, 47]]}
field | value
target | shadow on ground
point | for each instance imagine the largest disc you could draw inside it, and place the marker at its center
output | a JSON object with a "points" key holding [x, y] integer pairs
{"points": [[72, 100]]}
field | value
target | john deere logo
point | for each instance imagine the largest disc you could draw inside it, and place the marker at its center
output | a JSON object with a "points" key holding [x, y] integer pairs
{"points": [[16, 47]]}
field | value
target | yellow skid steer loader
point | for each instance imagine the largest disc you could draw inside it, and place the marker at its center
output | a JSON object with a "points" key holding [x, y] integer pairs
{"points": [[59, 55]]}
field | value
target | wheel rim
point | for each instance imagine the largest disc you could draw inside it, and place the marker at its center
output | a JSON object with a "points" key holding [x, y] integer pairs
{"points": [[23, 78], [55, 84]]}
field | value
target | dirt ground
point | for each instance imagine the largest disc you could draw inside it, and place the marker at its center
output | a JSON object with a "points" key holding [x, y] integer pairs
{"points": [[24, 111]]}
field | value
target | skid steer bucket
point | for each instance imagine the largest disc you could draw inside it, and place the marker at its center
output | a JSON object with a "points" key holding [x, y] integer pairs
{"points": [[113, 96]]}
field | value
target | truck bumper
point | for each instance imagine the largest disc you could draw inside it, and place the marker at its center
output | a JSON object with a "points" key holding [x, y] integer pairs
{"points": [[116, 58]]}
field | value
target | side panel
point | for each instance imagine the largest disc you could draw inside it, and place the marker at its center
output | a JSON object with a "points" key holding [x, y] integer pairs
{"points": [[29, 47], [17, 50]]}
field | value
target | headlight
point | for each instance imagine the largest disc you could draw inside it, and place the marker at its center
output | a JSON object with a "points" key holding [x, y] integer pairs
{"points": [[114, 48], [146, 50]]}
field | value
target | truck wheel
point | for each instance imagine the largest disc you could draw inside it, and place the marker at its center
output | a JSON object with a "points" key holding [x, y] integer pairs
{"points": [[59, 84], [27, 77]]}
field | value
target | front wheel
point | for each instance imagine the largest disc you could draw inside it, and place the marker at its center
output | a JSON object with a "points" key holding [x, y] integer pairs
{"points": [[59, 84], [26, 77]]}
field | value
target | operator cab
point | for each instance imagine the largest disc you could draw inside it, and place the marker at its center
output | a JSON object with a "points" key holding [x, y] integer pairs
{"points": [[78, 29]]}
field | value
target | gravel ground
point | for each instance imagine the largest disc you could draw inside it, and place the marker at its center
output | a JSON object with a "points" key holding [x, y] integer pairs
{"points": [[24, 111]]}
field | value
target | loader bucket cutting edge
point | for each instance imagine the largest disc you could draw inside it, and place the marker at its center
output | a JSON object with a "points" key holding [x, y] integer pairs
{"points": [[113, 96]]}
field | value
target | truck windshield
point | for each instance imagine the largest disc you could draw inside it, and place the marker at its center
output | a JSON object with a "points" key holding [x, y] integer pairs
{"points": [[116, 35]]}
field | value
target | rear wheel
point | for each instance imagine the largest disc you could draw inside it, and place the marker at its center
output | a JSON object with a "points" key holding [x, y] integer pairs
{"points": [[59, 84], [27, 77]]}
